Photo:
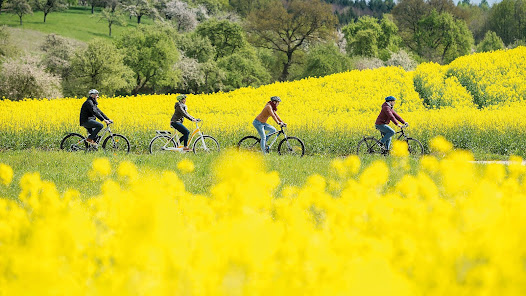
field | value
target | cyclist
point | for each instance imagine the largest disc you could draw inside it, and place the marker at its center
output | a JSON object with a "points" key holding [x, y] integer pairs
{"points": [[89, 112], [387, 114], [261, 125], [177, 120]]}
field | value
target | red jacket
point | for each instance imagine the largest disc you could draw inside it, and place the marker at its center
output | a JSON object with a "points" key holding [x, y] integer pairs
{"points": [[388, 114]]}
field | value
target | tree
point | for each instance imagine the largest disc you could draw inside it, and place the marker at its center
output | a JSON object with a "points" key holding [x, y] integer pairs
{"points": [[490, 42], [100, 66], [441, 38], [25, 78], [366, 36], [225, 36], [20, 8], [325, 59], [58, 52], [48, 6], [508, 20], [196, 47], [113, 17], [286, 28], [244, 7], [151, 54], [243, 68], [140, 8], [183, 16]]}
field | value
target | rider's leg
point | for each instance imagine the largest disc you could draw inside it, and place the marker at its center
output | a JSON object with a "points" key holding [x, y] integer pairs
{"points": [[270, 129], [93, 128], [387, 133], [260, 127], [183, 130]]}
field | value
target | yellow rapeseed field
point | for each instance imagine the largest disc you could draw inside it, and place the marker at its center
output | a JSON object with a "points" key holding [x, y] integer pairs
{"points": [[332, 111]]}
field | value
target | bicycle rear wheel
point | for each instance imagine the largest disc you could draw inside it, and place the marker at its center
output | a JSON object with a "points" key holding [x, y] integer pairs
{"points": [[206, 144], [159, 144], [74, 143], [415, 147], [368, 146], [116, 144], [291, 146], [249, 143]]}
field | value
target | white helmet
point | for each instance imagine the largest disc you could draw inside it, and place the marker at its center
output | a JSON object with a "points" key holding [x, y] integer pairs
{"points": [[93, 91]]}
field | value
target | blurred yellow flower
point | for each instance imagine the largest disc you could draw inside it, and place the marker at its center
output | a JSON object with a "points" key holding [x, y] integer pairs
{"points": [[6, 174], [186, 166], [440, 144], [400, 148], [101, 168], [127, 169]]}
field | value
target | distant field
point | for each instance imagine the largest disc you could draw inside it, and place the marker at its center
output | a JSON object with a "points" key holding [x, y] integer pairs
{"points": [[76, 22]]}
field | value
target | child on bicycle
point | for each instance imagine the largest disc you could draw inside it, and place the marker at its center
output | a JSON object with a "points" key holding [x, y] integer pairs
{"points": [[261, 125], [89, 112], [387, 114], [177, 120]]}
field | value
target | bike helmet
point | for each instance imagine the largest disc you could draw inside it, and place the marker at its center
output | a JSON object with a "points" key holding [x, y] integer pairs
{"points": [[181, 97], [390, 98], [93, 92], [275, 99]]}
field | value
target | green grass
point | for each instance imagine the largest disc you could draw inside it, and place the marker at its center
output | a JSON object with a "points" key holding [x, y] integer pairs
{"points": [[70, 170], [75, 22]]}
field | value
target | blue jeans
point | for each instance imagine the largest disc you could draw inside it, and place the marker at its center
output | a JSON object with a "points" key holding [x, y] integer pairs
{"points": [[183, 130], [387, 133], [93, 128], [261, 128]]}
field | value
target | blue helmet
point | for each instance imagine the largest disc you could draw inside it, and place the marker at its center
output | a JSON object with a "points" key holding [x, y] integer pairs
{"points": [[275, 99], [390, 98]]}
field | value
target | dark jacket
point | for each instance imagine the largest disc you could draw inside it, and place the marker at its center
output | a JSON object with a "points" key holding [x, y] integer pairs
{"points": [[180, 113], [388, 114], [90, 110]]}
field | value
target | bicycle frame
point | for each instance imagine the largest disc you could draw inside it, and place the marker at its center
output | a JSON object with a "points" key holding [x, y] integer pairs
{"points": [[276, 134], [179, 148]]}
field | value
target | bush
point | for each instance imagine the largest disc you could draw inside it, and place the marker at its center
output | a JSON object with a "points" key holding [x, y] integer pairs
{"points": [[402, 59], [490, 42], [368, 63], [25, 78]]}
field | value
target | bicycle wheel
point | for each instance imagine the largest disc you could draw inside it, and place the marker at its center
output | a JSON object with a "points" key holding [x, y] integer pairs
{"points": [[116, 143], [291, 146], [74, 143], [206, 144], [249, 143], [160, 143], [369, 146], [415, 147]]}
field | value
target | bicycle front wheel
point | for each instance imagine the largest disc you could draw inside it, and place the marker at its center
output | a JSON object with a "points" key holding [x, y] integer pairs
{"points": [[74, 143], [249, 143], [206, 144], [116, 143], [291, 146], [161, 144], [415, 147], [369, 146]]}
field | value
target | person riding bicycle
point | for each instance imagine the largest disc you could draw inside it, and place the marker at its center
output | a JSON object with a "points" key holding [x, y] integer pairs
{"points": [[261, 125], [387, 114], [177, 120], [89, 112]]}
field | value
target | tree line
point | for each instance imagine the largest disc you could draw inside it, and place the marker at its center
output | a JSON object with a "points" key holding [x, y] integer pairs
{"points": [[203, 46]]}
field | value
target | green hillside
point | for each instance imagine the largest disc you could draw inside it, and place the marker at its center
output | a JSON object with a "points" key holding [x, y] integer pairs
{"points": [[76, 22]]}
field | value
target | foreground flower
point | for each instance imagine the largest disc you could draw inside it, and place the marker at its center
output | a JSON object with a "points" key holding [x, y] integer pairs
{"points": [[6, 174], [186, 166]]}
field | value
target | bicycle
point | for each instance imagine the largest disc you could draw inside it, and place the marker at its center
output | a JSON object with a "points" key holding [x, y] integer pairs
{"points": [[165, 141], [370, 145], [289, 145], [74, 142]]}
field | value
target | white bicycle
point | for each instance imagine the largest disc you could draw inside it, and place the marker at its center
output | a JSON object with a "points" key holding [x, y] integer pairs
{"points": [[165, 141]]}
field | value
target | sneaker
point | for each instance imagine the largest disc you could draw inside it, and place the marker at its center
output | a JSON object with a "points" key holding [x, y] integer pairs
{"points": [[92, 143], [186, 149]]}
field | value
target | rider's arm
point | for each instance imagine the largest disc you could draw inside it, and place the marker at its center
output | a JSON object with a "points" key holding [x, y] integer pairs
{"points": [[273, 114], [397, 117], [185, 113], [97, 112]]}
